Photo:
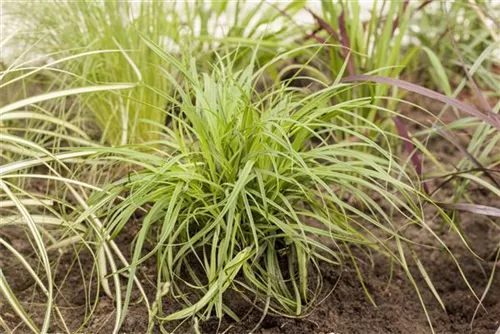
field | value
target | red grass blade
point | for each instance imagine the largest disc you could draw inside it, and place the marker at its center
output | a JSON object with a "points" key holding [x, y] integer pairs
{"points": [[472, 208], [424, 4], [344, 40], [410, 148], [472, 82], [395, 24], [324, 25], [491, 119]]}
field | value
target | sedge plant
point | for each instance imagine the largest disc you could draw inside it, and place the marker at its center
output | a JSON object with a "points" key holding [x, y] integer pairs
{"points": [[111, 26], [34, 148], [253, 192], [474, 28], [387, 43], [477, 165], [375, 46]]}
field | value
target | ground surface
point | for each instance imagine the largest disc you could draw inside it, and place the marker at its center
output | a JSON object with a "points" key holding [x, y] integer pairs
{"points": [[345, 311]]}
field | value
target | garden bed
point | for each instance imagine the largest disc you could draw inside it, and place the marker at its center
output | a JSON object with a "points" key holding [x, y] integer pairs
{"points": [[225, 167], [345, 310]]}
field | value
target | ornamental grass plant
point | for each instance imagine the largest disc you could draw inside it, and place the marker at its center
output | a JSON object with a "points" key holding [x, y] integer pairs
{"points": [[243, 188], [240, 154]]}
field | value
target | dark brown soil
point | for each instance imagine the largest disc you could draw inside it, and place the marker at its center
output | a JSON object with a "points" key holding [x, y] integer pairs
{"points": [[346, 310]]}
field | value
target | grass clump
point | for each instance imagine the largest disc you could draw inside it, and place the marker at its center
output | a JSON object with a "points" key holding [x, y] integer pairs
{"points": [[115, 27], [251, 192], [246, 183], [467, 27], [356, 46], [39, 195], [110, 27]]}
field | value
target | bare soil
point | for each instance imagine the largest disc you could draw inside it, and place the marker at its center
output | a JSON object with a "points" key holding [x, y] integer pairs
{"points": [[346, 310]]}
